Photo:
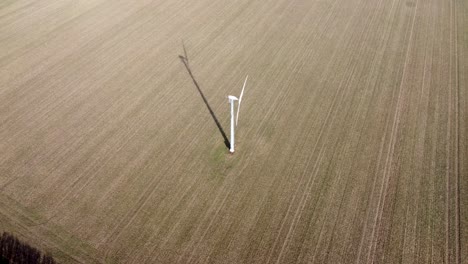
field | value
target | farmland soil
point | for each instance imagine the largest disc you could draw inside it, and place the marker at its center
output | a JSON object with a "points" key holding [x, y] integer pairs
{"points": [[351, 145]]}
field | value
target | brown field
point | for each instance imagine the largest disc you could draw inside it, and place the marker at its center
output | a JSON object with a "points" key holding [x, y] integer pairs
{"points": [[352, 144]]}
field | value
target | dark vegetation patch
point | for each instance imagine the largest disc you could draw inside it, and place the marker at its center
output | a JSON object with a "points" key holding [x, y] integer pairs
{"points": [[12, 250]]}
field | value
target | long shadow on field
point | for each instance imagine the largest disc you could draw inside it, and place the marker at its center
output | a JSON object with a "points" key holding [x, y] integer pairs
{"points": [[185, 61]]}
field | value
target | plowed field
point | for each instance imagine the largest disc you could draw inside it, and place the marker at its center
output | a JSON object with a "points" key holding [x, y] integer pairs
{"points": [[351, 145]]}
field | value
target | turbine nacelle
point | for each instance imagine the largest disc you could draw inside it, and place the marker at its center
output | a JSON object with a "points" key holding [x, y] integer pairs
{"points": [[233, 98]]}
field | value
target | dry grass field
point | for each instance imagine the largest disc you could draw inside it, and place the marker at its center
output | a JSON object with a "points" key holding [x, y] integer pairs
{"points": [[351, 144]]}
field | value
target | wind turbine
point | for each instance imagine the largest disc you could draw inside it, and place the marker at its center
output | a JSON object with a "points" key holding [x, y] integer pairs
{"points": [[232, 100]]}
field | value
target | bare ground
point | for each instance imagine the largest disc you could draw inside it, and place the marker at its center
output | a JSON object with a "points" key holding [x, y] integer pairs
{"points": [[351, 146]]}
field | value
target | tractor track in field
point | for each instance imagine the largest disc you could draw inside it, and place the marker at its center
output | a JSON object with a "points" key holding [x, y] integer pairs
{"points": [[389, 159], [302, 204], [452, 170], [456, 85], [307, 184], [381, 147]]}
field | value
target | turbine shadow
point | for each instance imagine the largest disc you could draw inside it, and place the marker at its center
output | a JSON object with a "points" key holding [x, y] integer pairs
{"points": [[185, 61]]}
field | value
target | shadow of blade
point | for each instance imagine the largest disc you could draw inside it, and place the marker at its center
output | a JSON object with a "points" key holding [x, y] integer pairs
{"points": [[220, 128]]}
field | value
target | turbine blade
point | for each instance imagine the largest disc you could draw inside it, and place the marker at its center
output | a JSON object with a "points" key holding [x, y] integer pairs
{"points": [[240, 99]]}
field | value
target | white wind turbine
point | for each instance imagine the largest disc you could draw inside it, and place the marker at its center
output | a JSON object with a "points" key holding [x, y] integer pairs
{"points": [[232, 99]]}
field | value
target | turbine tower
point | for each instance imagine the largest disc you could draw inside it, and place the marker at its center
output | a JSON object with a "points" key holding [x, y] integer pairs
{"points": [[232, 100]]}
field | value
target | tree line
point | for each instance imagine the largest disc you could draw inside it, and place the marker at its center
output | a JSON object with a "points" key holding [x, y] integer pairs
{"points": [[14, 251]]}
